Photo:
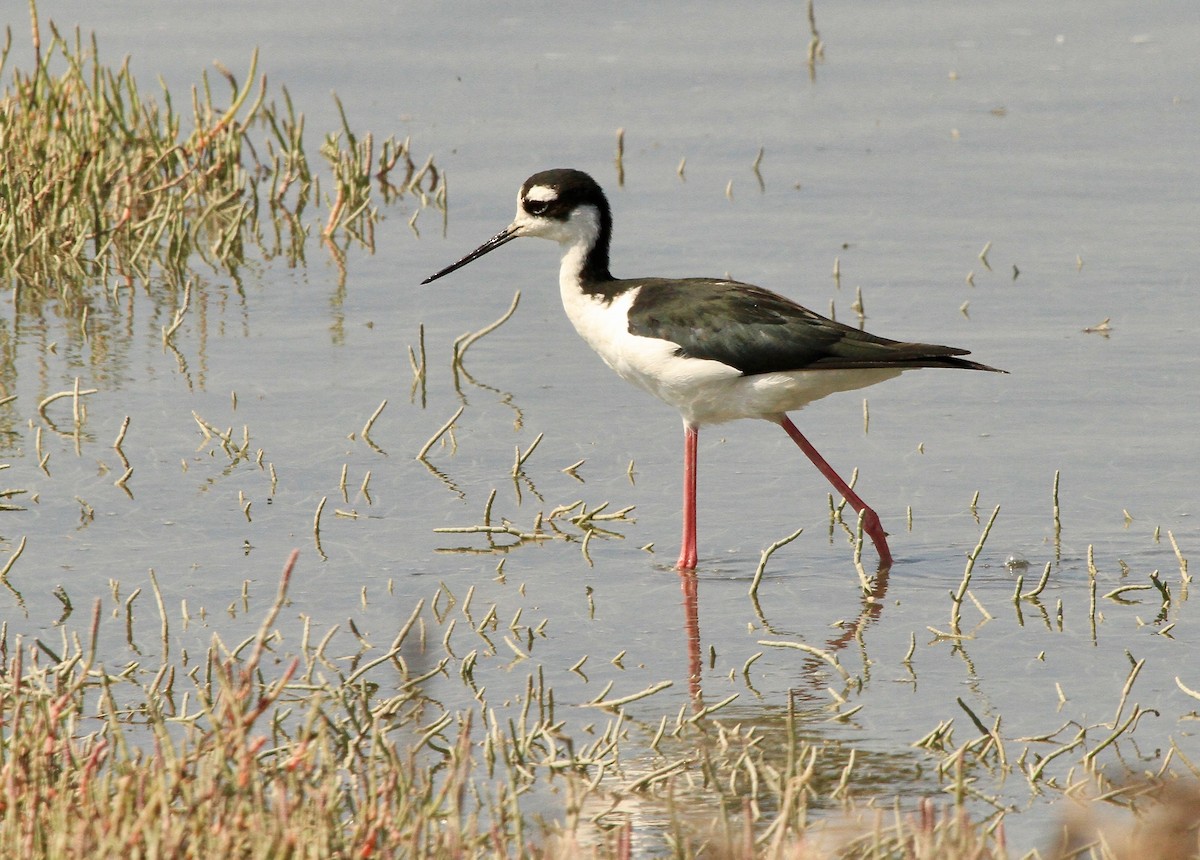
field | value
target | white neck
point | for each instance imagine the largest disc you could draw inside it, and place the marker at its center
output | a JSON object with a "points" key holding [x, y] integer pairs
{"points": [[576, 238], [571, 267]]}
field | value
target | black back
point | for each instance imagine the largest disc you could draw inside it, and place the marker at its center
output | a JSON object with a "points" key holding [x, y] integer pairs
{"points": [[757, 331]]}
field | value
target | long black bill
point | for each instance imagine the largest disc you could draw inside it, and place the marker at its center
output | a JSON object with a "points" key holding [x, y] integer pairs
{"points": [[502, 238]]}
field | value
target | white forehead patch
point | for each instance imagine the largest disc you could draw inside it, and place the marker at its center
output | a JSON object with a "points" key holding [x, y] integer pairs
{"points": [[542, 193]]}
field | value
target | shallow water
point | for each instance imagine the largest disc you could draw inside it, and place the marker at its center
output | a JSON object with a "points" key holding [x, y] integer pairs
{"points": [[1063, 136]]}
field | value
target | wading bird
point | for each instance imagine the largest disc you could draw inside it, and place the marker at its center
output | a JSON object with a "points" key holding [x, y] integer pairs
{"points": [[714, 349]]}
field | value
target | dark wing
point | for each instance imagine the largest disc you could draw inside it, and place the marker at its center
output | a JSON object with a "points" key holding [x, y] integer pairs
{"points": [[757, 331]]}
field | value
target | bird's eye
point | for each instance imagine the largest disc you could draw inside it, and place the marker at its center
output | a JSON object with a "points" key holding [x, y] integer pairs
{"points": [[537, 207]]}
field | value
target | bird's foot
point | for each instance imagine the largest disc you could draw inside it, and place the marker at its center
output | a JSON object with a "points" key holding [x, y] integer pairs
{"points": [[873, 528]]}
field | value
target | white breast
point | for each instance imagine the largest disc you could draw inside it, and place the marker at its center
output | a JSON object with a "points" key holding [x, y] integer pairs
{"points": [[650, 363]]}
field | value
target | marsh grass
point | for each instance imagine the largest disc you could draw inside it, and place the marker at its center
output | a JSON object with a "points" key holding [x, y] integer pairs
{"points": [[255, 752], [104, 183], [275, 746]]}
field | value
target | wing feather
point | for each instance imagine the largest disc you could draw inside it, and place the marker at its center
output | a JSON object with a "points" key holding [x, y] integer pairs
{"points": [[758, 331]]}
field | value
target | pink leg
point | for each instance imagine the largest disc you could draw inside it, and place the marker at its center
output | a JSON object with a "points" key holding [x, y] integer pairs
{"points": [[870, 519], [687, 550]]}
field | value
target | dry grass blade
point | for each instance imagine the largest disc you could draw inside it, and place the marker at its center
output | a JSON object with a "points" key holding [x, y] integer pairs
{"points": [[766, 555], [827, 656], [463, 342]]}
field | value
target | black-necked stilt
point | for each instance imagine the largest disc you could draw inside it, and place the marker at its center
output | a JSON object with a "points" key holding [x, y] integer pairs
{"points": [[714, 349]]}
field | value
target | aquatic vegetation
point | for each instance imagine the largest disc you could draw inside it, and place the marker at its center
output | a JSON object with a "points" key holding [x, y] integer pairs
{"points": [[104, 183], [309, 743]]}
